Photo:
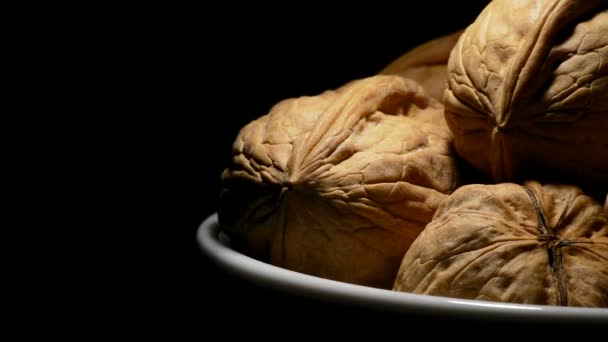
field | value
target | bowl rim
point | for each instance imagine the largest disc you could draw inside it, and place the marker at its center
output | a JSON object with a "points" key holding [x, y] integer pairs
{"points": [[215, 245]]}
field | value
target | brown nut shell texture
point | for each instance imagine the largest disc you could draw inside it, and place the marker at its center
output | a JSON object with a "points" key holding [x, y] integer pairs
{"points": [[426, 64], [528, 91], [510, 243], [339, 185]]}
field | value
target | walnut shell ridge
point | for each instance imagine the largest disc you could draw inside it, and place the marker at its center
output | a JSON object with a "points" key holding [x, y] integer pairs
{"points": [[339, 185], [528, 244], [527, 94], [426, 64]]}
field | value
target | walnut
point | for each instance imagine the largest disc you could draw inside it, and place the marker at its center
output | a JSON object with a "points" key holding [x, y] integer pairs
{"points": [[426, 64], [527, 92], [340, 184], [523, 244]]}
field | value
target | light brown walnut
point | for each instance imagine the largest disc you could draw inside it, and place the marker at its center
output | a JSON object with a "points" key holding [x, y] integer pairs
{"points": [[340, 184], [527, 91], [510, 243], [426, 64]]}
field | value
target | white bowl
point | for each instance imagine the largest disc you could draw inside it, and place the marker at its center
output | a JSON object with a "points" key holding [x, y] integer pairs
{"points": [[216, 246]]}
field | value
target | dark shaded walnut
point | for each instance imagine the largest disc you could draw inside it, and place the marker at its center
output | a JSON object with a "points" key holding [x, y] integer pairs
{"points": [[426, 64], [510, 243], [339, 185], [527, 91]]}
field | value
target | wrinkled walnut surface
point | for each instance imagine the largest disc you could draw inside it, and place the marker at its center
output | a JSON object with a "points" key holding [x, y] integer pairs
{"points": [[338, 185], [426, 64], [523, 244], [528, 90]]}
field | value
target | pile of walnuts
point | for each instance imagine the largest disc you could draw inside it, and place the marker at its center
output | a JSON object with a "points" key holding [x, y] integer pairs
{"points": [[371, 183]]}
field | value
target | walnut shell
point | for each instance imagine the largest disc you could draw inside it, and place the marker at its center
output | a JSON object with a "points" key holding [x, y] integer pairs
{"points": [[426, 64], [523, 244], [339, 185], [527, 91]]}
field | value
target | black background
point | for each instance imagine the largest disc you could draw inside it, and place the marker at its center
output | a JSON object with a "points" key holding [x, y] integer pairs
{"points": [[229, 70], [205, 74]]}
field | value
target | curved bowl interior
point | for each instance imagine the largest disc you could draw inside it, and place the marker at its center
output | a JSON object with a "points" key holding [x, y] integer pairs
{"points": [[217, 247]]}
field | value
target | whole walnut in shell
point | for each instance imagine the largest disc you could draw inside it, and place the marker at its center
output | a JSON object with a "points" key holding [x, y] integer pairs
{"points": [[527, 92], [426, 64], [339, 185], [523, 244]]}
